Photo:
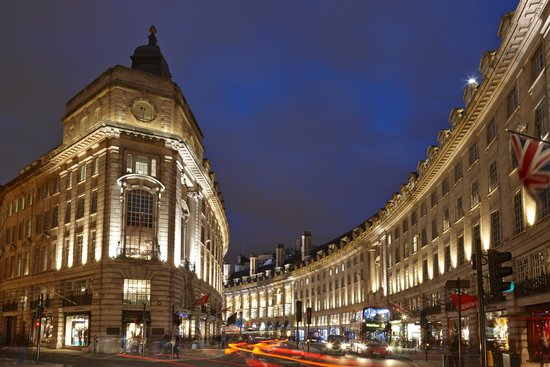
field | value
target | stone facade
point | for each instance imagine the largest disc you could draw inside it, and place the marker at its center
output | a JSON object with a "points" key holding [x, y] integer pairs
{"points": [[121, 228], [466, 190]]}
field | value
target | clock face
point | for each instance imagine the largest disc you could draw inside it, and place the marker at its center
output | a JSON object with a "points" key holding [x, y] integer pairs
{"points": [[143, 110]]}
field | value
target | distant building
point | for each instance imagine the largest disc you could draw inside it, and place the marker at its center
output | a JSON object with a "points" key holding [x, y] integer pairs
{"points": [[121, 228], [465, 192]]}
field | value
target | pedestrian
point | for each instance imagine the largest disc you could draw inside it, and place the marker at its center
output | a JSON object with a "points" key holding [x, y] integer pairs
{"points": [[177, 346]]}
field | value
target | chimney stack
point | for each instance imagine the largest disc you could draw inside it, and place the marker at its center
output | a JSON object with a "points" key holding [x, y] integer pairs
{"points": [[305, 244], [279, 255], [253, 261]]}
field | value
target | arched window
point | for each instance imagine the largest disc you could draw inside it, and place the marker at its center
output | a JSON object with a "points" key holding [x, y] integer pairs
{"points": [[139, 231]]}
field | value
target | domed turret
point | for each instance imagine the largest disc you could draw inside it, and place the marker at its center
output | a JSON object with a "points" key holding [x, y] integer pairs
{"points": [[149, 58]]}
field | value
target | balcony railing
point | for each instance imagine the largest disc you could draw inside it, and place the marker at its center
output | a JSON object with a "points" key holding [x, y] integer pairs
{"points": [[536, 285], [77, 299], [11, 306]]}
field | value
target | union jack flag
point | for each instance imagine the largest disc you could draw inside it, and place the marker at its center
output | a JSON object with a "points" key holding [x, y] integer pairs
{"points": [[533, 159]]}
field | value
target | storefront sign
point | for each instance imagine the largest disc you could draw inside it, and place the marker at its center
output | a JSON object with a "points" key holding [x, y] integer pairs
{"points": [[467, 301]]}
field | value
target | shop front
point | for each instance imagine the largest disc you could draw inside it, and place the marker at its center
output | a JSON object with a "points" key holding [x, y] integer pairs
{"points": [[497, 331], [45, 327], [77, 330], [538, 332], [134, 329]]}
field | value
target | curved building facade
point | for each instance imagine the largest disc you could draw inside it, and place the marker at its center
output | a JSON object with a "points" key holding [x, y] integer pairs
{"points": [[466, 191], [120, 231]]}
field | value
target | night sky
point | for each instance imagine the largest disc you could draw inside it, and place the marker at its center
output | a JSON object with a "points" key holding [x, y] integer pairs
{"points": [[314, 112]]}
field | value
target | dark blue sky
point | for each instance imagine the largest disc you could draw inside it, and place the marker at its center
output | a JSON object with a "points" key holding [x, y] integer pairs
{"points": [[314, 112]]}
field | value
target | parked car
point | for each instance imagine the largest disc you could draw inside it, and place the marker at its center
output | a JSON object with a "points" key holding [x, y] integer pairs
{"points": [[377, 350], [336, 344]]}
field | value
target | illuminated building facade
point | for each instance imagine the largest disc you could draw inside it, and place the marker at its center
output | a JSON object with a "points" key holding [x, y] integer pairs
{"points": [[121, 228], [466, 189]]}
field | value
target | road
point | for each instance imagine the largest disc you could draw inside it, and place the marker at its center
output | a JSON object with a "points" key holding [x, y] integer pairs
{"points": [[241, 355]]}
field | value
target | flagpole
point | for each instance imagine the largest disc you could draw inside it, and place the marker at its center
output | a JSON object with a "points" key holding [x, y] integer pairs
{"points": [[527, 136]]}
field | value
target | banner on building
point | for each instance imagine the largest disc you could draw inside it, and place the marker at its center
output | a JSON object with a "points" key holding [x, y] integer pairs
{"points": [[467, 301]]}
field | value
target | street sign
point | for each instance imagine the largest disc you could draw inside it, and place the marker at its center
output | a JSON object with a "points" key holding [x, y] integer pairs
{"points": [[457, 283]]}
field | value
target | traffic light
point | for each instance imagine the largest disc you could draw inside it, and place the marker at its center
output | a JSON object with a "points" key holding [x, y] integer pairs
{"points": [[497, 271], [308, 315], [298, 311]]}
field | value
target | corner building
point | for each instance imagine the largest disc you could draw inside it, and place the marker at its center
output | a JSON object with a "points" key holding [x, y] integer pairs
{"points": [[121, 228], [465, 192]]}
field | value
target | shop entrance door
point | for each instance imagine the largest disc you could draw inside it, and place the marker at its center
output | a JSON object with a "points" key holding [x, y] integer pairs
{"points": [[9, 329]]}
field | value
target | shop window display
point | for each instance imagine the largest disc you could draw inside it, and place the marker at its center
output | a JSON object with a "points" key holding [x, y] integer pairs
{"points": [[76, 330]]}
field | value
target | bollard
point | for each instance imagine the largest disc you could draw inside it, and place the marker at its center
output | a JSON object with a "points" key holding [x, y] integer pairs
{"points": [[490, 362], [96, 340]]}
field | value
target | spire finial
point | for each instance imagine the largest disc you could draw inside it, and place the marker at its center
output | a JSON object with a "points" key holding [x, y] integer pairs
{"points": [[152, 37]]}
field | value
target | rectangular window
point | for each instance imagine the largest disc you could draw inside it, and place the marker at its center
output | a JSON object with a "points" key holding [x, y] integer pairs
{"points": [[142, 165], [93, 202], [57, 184], [424, 237], [95, 170], [512, 101], [65, 255], [415, 273], [444, 187], [44, 258], [27, 263], [538, 264], [518, 213], [458, 171], [491, 132], [397, 254], [435, 264], [413, 218], [82, 173], [523, 269], [542, 125], [136, 292], [537, 63], [78, 250], [459, 208], [495, 229], [69, 180], [493, 176], [425, 269], [433, 199], [80, 207], [423, 209], [38, 224], [55, 219], [448, 258], [29, 228], [20, 232], [460, 250], [435, 232], [473, 154], [68, 212], [153, 167], [474, 194], [415, 243], [92, 246], [405, 225], [396, 233], [405, 250], [446, 221], [129, 164]]}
